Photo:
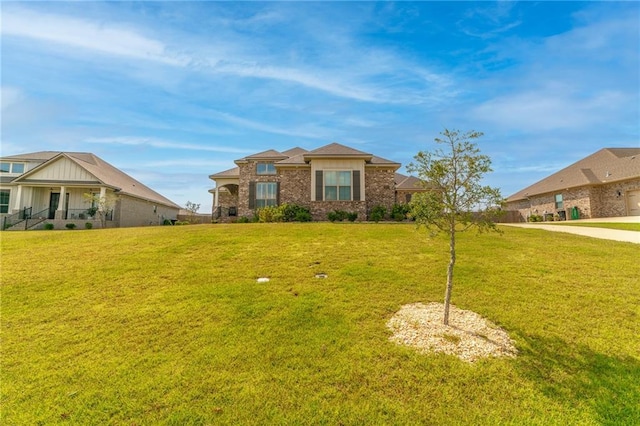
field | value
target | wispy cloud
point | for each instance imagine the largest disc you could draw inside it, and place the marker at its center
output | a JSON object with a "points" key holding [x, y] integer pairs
{"points": [[159, 143], [81, 33]]}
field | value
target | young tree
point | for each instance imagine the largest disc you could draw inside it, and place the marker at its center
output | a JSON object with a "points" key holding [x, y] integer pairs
{"points": [[455, 200], [192, 208], [103, 205]]}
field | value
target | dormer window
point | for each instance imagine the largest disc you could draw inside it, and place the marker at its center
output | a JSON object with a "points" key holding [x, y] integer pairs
{"points": [[265, 168], [7, 167]]}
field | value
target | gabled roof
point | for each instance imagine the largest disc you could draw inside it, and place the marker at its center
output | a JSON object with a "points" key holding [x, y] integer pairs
{"points": [[409, 183], [294, 151], [334, 150], [605, 166], [105, 173], [270, 154], [231, 173]]}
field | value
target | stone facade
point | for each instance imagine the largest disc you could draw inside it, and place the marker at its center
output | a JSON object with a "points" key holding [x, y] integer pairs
{"points": [[592, 201], [295, 186], [248, 174], [380, 188]]}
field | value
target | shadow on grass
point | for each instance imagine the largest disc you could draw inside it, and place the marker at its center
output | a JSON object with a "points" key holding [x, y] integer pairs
{"points": [[576, 374]]}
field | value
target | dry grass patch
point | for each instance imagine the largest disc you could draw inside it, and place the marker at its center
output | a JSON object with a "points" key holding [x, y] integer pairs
{"points": [[468, 335]]}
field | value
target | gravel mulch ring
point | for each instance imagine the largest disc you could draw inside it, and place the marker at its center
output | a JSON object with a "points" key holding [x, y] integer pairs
{"points": [[468, 335]]}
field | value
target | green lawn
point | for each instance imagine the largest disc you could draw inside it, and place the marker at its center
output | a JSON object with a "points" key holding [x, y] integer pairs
{"points": [[610, 225], [168, 325]]}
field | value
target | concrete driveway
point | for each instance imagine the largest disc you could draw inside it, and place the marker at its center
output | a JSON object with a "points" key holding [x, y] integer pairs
{"points": [[603, 233]]}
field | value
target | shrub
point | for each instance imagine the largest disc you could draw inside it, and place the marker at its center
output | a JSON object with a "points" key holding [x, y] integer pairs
{"points": [[303, 216], [270, 214], [48, 226], [70, 226], [243, 219], [398, 217], [182, 222], [340, 215], [399, 212], [166, 222], [535, 218], [377, 213], [295, 213], [88, 225]]}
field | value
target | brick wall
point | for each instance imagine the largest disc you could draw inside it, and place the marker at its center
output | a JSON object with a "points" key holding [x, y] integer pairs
{"points": [[380, 188], [295, 186], [592, 202]]}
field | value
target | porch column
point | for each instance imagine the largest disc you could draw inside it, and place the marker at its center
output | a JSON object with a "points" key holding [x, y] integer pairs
{"points": [[17, 205], [103, 196], [216, 198], [63, 194]]}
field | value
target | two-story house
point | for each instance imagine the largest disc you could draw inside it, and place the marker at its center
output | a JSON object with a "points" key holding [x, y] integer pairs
{"points": [[333, 177]]}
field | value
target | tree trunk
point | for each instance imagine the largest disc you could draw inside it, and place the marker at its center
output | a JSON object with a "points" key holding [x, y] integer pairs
{"points": [[452, 262]]}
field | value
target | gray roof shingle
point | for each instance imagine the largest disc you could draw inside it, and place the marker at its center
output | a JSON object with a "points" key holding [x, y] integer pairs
{"points": [[605, 166]]}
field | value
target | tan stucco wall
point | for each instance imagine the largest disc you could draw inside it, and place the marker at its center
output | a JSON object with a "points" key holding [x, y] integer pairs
{"points": [[131, 211]]}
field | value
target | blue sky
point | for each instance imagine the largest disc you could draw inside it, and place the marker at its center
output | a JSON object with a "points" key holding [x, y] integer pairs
{"points": [[171, 92]]}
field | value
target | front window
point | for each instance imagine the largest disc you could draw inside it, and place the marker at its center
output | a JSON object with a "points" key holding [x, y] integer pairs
{"points": [[337, 186], [7, 167], [265, 169], [4, 200], [559, 202], [266, 194]]}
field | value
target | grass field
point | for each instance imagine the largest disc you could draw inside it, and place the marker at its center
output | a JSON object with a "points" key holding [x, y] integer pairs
{"points": [[167, 325]]}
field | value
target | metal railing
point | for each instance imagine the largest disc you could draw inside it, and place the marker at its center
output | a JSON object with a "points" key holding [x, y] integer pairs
{"points": [[36, 218], [224, 212], [16, 218]]}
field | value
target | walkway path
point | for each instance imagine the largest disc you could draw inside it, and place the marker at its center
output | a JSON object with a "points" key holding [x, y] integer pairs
{"points": [[604, 233]]}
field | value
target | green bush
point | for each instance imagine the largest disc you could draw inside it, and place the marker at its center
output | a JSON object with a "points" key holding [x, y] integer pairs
{"points": [[535, 218], [340, 215], [295, 213], [182, 222], [70, 226], [399, 212], [243, 219], [303, 216], [377, 213], [88, 225], [166, 222], [48, 226], [270, 214]]}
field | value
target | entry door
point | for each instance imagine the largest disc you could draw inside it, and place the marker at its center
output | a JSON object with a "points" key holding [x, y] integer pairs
{"points": [[633, 203], [54, 200]]}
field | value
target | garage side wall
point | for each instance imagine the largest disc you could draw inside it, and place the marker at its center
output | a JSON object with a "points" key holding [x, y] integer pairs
{"points": [[132, 211]]}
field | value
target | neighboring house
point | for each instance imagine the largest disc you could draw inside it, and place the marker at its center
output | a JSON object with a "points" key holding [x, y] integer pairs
{"points": [[49, 186], [333, 177], [604, 184]]}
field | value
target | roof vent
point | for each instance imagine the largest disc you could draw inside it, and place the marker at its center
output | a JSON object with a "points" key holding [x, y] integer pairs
{"points": [[608, 174]]}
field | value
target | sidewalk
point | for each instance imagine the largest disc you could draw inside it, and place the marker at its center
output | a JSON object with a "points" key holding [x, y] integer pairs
{"points": [[603, 233]]}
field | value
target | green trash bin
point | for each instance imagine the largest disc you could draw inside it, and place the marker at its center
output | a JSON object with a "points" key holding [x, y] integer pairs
{"points": [[575, 213]]}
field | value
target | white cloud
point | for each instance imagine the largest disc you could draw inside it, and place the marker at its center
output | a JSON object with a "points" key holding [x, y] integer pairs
{"points": [[159, 143], [104, 38]]}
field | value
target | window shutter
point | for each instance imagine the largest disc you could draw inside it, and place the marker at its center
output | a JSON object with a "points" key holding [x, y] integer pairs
{"points": [[277, 193], [252, 195], [356, 185], [319, 185]]}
